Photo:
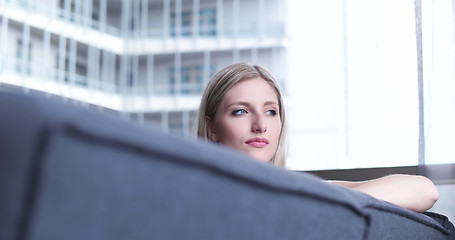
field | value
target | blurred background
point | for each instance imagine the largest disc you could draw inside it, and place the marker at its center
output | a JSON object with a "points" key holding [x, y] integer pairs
{"points": [[367, 84]]}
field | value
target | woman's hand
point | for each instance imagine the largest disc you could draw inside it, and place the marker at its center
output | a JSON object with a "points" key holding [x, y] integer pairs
{"points": [[413, 192]]}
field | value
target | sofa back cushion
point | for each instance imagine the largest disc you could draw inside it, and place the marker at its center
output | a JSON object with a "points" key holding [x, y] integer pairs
{"points": [[69, 173]]}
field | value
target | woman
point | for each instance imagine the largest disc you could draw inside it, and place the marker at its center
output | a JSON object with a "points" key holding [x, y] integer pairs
{"points": [[229, 83], [242, 108]]}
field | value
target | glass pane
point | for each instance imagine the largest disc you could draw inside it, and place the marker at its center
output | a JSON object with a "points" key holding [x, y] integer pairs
{"points": [[439, 81]]}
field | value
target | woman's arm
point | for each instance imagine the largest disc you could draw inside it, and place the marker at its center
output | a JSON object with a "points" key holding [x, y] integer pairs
{"points": [[413, 192]]}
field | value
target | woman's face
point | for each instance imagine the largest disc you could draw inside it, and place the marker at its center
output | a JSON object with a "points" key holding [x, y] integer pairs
{"points": [[248, 119]]}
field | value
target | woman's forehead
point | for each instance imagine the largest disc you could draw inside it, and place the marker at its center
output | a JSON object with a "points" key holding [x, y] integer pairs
{"points": [[252, 90]]}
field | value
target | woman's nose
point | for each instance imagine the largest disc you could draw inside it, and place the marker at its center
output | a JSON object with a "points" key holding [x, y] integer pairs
{"points": [[259, 125]]}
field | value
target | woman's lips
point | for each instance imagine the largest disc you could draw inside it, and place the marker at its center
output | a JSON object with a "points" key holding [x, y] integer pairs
{"points": [[257, 142]]}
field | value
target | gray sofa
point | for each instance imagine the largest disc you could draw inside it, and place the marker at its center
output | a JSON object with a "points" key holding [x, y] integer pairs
{"points": [[69, 173]]}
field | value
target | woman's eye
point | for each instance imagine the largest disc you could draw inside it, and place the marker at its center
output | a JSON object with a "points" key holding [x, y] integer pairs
{"points": [[271, 112], [239, 112]]}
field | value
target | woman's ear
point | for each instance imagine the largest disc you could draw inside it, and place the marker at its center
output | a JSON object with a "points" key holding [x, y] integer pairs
{"points": [[209, 126]]}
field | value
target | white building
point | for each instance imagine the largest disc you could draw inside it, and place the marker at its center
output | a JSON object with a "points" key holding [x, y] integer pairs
{"points": [[148, 59]]}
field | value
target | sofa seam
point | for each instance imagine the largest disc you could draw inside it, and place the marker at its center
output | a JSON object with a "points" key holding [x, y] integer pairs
{"points": [[34, 182], [409, 216]]}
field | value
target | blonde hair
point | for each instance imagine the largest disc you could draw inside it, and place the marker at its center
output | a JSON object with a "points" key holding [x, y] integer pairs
{"points": [[221, 83]]}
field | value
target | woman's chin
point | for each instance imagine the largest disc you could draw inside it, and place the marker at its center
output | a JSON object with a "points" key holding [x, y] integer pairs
{"points": [[263, 159]]}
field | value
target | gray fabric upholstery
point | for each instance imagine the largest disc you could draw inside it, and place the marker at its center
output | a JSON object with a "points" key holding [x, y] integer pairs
{"points": [[68, 173]]}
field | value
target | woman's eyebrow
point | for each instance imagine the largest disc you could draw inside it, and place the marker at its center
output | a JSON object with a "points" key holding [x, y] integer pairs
{"points": [[247, 104], [241, 103], [271, 103]]}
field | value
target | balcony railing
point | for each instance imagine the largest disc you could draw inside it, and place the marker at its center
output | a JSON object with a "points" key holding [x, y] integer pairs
{"points": [[36, 71], [247, 29]]}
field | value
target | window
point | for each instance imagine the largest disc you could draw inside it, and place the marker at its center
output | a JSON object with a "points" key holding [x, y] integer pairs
{"points": [[191, 79], [19, 53], [81, 73], [185, 26], [61, 5], [355, 105], [130, 79], [207, 23], [438, 81], [80, 78], [61, 73]]}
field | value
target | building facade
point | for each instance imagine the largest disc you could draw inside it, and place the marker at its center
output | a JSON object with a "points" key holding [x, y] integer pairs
{"points": [[146, 59]]}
